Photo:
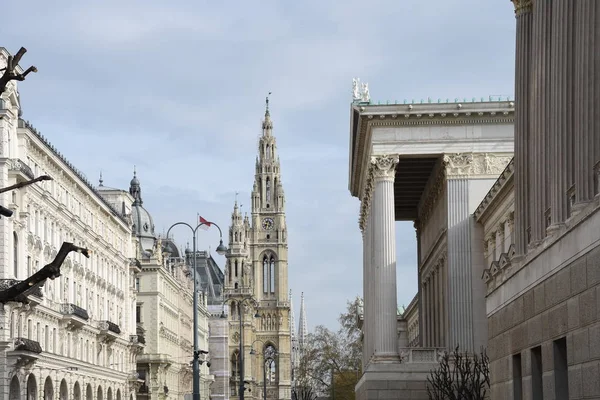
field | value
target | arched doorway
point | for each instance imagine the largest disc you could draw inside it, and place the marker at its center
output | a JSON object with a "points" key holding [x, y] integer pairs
{"points": [[118, 394], [14, 391], [99, 396], [76, 391], [64, 390], [89, 393], [31, 388], [109, 394], [48, 389]]}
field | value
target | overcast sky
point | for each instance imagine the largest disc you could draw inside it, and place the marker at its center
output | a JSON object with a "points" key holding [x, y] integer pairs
{"points": [[177, 88]]}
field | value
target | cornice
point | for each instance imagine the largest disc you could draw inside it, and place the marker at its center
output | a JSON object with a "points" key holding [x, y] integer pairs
{"points": [[83, 183], [503, 180], [364, 117]]}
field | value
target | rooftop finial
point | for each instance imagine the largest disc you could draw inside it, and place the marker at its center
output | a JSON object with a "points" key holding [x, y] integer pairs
{"points": [[134, 172], [101, 181], [267, 104]]}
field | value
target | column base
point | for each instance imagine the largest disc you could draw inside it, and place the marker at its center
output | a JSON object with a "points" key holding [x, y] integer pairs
{"points": [[394, 381], [386, 358]]}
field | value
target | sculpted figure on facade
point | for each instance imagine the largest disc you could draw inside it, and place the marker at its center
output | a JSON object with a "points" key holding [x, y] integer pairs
{"points": [[355, 90], [365, 95]]}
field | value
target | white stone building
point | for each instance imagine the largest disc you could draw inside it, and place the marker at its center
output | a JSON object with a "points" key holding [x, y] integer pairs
{"points": [[75, 339], [431, 163]]}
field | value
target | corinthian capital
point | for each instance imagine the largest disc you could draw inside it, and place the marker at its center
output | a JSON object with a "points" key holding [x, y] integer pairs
{"points": [[384, 167], [522, 6]]}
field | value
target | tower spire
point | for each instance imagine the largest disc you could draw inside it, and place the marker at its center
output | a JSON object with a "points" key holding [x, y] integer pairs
{"points": [[302, 325], [294, 340], [267, 113]]}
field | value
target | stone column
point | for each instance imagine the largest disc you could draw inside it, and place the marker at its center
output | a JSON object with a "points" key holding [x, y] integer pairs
{"points": [[438, 307], [366, 226], [561, 114], [586, 48], [384, 257], [522, 96]]}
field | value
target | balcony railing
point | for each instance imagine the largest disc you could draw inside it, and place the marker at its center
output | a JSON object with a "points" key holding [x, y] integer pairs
{"points": [[72, 309], [421, 355], [109, 326], [231, 291], [23, 344], [18, 166]]}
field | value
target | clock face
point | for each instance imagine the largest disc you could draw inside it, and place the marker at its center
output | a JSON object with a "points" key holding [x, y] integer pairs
{"points": [[267, 223]]}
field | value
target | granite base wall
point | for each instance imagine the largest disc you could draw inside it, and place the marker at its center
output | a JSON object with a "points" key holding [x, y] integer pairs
{"points": [[395, 381], [566, 304]]}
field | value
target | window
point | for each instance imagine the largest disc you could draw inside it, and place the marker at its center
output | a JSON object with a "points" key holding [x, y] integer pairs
{"points": [[16, 254], [138, 313], [561, 371], [270, 364], [517, 377], [537, 384], [272, 275], [137, 284], [236, 268]]}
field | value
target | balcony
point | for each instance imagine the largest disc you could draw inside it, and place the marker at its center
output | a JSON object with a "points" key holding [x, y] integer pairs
{"points": [[109, 331], [74, 315], [26, 352], [19, 169], [137, 342]]}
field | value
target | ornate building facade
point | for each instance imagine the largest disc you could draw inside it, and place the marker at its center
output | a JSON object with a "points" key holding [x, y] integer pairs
{"points": [[256, 278], [76, 337]]}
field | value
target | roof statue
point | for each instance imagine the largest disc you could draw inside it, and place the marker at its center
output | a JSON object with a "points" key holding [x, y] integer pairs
{"points": [[360, 91]]}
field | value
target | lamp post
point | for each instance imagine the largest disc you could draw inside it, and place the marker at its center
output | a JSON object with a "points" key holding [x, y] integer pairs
{"points": [[252, 351], [221, 249], [241, 303]]}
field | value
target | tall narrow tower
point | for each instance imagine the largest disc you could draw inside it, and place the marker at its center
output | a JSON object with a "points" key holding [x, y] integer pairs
{"points": [[257, 281], [302, 325]]}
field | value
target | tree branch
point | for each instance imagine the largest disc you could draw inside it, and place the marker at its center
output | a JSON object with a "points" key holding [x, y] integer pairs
{"points": [[51, 271], [9, 71]]}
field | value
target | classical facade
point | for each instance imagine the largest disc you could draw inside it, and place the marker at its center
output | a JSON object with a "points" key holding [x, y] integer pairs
{"points": [[431, 163], [541, 219], [76, 337], [257, 282]]}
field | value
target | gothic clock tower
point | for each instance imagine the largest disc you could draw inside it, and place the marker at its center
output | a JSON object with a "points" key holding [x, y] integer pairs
{"points": [[257, 282]]}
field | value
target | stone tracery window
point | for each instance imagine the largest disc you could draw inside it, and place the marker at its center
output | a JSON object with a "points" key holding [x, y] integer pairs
{"points": [[270, 366], [268, 273]]}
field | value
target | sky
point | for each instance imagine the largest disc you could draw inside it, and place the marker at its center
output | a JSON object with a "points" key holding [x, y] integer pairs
{"points": [[178, 89]]}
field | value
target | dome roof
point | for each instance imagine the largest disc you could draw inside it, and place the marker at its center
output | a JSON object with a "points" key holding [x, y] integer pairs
{"points": [[143, 225]]}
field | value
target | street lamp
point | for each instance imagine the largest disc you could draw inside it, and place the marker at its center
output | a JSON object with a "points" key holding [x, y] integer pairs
{"points": [[221, 249], [253, 352], [240, 303]]}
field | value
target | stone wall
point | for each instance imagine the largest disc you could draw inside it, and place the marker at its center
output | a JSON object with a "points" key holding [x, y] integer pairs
{"points": [[565, 305]]}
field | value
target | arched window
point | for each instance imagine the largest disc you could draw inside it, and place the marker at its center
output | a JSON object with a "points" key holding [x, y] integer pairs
{"points": [[268, 274], [16, 254], [272, 274], [270, 354], [268, 189]]}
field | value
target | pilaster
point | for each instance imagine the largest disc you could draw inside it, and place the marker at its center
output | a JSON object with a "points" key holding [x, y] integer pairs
{"points": [[384, 258]]}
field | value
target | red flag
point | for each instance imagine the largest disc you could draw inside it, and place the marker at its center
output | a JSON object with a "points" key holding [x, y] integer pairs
{"points": [[205, 223]]}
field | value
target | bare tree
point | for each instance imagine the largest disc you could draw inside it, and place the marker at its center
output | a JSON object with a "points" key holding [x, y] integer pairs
{"points": [[460, 376], [21, 290], [9, 72]]}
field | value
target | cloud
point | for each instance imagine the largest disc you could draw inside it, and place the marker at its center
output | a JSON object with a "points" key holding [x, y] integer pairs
{"points": [[179, 90]]}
